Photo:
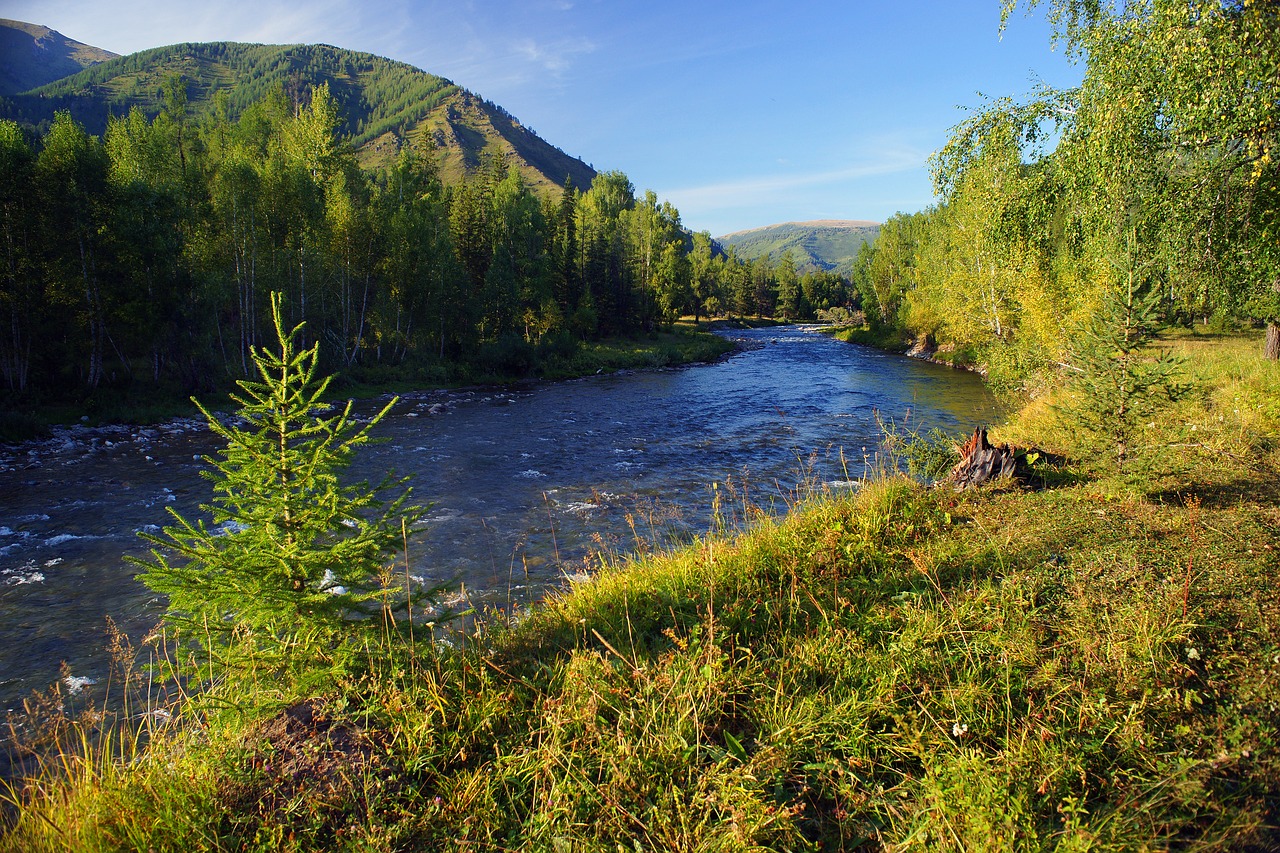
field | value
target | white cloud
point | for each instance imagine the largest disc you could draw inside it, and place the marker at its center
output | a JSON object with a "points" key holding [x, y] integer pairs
{"points": [[126, 26], [758, 189], [556, 57]]}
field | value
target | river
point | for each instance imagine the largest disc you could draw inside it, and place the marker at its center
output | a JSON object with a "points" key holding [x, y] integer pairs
{"points": [[527, 483]]}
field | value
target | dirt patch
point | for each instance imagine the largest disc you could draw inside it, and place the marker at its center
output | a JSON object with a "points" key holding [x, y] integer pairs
{"points": [[309, 773]]}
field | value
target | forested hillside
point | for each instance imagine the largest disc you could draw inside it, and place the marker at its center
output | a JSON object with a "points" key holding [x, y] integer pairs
{"points": [[824, 244], [1154, 183], [146, 258], [32, 55], [382, 104]]}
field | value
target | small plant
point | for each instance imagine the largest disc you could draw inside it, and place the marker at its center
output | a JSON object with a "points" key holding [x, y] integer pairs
{"points": [[293, 568], [1117, 386], [928, 455], [838, 315]]}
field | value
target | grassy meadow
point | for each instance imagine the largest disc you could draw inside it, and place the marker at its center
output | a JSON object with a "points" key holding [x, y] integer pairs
{"points": [[1088, 661]]}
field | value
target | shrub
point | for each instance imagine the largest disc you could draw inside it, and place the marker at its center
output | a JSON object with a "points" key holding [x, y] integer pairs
{"points": [[509, 355], [1117, 385]]}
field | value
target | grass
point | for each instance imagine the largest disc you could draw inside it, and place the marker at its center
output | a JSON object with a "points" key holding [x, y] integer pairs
{"points": [[1093, 665], [880, 337], [682, 345]]}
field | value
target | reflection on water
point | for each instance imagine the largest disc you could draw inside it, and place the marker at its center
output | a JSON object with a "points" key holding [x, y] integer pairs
{"points": [[525, 483]]}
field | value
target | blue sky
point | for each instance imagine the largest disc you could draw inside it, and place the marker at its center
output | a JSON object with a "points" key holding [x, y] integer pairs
{"points": [[741, 114]]}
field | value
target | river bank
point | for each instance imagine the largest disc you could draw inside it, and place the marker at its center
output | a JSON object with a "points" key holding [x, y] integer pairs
{"points": [[141, 424], [24, 420], [892, 340], [1088, 664], [526, 480]]}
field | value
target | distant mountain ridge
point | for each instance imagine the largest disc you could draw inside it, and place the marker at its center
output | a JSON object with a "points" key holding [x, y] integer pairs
{"points": [[823, 244], [32, 55], [386, 104]]}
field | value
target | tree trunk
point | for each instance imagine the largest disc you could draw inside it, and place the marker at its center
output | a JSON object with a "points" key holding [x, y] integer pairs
{"points": [[1271, 348], [981, 462]]}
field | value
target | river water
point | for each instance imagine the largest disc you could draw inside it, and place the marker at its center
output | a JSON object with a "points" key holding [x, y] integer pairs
{"points": [[527, 484]]}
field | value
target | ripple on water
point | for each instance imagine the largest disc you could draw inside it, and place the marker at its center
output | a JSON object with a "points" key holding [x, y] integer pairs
{"points": [[76, 683], [23, 575], [843, 484]]}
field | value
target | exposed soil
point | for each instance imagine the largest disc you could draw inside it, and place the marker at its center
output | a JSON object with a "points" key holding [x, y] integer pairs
{"points": [[310, 772]]}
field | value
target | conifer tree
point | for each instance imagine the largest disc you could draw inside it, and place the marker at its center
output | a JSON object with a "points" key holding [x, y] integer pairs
{"points": [[292, 573], [1118, 385]]}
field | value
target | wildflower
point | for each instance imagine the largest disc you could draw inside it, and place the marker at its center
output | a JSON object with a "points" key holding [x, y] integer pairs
{"points": [[1193, 653], [959, 729]]}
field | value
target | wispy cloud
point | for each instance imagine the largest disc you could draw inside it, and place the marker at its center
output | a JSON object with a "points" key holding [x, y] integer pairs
{"points": [[138, 24], [757, 189], [554, 57], [284, 22]]}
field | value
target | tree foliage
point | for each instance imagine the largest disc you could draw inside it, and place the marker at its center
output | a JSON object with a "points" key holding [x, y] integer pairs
{"points": [[144, 260], [293, 566], [1163, 156], [1117, 384]]}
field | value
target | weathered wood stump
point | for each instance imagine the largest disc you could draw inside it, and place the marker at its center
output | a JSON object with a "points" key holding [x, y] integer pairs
{"points": [[982, 462]]}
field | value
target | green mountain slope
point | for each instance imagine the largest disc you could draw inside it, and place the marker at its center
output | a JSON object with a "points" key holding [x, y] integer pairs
{"points": [[385, 103], [32, 55], [825, 244]]}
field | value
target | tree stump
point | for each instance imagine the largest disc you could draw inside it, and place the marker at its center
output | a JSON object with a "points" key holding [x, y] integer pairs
{"points": [[982, 462]]}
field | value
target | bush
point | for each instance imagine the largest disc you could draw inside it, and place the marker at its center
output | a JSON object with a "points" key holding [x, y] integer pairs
{"points": [[1116, 384], [561, 344], [509, 355], [21, 426]]}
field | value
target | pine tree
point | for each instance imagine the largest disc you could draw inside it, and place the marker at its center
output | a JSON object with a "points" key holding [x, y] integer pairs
{"points": [[1117, 385], [294, 571]]}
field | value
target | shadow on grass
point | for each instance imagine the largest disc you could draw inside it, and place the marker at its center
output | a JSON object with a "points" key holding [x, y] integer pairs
{"points": [[1225, 495]]}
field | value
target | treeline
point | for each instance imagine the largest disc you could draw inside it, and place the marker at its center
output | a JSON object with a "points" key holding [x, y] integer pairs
{"points": [[1158, 174], [148, 255]]}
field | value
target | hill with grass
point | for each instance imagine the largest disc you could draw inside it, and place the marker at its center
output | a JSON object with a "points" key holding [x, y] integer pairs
{"points": [[32, 55], [823, 244], [385, 104]]}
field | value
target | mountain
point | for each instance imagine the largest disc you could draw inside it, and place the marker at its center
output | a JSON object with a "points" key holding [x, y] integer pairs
{"points": [[32, 55], [385, 103], [825, 244]]}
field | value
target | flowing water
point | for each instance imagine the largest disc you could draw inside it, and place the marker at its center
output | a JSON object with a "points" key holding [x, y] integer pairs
{"points": [[527, 484]]}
